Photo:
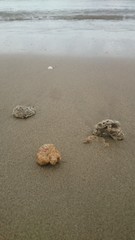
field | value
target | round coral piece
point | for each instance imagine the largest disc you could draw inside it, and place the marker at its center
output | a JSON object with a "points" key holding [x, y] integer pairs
{"points": [[48, 154]]}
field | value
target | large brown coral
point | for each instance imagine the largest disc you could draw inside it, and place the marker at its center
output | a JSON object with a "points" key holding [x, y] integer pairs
{"points": [[110, 128], [48, 154], [106, 128]]}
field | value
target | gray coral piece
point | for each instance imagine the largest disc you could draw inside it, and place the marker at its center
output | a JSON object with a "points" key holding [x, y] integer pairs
{"points": [[110, 128], [23, 111]]}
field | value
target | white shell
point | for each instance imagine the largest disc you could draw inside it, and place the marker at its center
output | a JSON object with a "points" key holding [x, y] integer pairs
{"points": [[50, 68]]}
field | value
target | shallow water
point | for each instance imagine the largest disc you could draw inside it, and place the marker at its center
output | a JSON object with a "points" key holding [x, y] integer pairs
{"points": [[51, 5], [77, 27]]}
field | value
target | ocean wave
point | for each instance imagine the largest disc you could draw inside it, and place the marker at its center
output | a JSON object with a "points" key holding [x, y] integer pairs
{"points": [[66, 15]]}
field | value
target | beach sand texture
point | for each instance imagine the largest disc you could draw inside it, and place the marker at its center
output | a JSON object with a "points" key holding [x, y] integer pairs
{"points": [[90, 195]]}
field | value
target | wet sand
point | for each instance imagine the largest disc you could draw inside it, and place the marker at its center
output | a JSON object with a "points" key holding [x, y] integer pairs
{"points": [[90, 195]]}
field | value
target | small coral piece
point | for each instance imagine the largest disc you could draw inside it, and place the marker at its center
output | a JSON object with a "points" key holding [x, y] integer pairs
{"points": [[23, 111], [48, 154], [110, 128], [90, 139]]}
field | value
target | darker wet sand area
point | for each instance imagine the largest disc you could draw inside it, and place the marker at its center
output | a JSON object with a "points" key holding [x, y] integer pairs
{"points": [[90, 194]]}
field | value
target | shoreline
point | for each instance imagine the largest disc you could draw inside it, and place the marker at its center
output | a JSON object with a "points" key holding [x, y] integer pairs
{"points": [[69, 38], [90, 194]]}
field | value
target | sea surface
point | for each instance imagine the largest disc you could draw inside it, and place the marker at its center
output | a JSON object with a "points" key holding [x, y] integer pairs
{"points": [[80, 27]]}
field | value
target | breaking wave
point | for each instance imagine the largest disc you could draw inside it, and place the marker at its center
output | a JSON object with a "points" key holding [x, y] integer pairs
{"points": [[117, 15]]}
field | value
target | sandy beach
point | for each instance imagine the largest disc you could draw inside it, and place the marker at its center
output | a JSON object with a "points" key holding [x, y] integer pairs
{"points": [[90, 194]]}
